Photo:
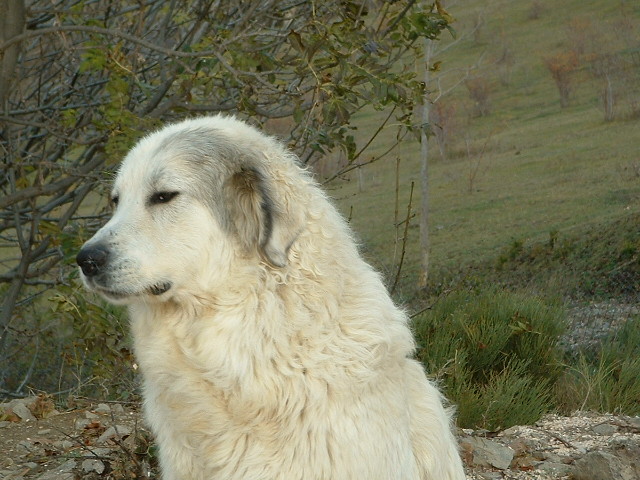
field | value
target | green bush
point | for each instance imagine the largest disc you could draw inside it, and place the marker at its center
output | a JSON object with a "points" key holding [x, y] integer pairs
{"points": [[512, 396], [609, 380], [96, 353], [495, 353]]}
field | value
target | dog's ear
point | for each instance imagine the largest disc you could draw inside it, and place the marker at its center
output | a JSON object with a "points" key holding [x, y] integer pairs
{"points": [[257, 218]]}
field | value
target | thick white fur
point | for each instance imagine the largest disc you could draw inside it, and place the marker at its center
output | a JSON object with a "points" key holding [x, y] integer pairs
{"points": [[283, 361]]}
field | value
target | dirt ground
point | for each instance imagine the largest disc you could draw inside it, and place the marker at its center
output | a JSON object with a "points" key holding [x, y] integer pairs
{"points": [[109, 441], [91, 440]]}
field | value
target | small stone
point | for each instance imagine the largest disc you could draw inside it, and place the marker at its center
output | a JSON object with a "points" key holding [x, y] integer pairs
{"points": [[102, 451], [81, 423], [21, 410], [552, 457], [26, 446], [67, 466], [112, 432], [63, 472], [102, 408], [604, 429], [525, 462], [520, 447], [64, 445], [555, 469], [93, 465], [490, 475], [487, 453], [55, 475], [510, 432]]}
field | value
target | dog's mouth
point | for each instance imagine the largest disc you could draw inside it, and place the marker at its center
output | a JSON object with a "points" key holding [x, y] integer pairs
{"points": [[156, 289], [159, 288]]}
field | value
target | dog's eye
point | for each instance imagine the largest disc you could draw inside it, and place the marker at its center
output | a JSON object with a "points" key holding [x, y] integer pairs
{"points": [[114, 201], [162, 197]]}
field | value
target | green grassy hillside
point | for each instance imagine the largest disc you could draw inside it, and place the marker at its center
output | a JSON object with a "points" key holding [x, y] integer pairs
{"points": [[529, 168], [602, 262]]}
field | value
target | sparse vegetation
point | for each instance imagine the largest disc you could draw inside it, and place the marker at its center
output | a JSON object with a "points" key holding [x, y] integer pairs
{"points": [[607, 380], [554, 213], [563, 67], [496, 354]]}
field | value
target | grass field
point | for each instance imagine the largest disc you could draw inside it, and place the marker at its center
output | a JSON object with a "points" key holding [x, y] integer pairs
{"points": [[533, 167]]}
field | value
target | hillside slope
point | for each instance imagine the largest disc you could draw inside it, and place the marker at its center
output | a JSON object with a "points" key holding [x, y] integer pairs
{"points": [[527, 168]]}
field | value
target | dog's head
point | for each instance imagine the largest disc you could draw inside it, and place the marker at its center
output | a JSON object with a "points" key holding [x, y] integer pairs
{"points": [[191, 201]]}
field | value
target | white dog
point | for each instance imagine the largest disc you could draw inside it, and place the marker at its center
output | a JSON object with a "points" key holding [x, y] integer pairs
{"points": [[269, 349]]}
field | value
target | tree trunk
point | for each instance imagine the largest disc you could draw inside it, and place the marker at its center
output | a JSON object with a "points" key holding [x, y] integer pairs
{"points": [[11, 24], [424, 171], [608, 99]]}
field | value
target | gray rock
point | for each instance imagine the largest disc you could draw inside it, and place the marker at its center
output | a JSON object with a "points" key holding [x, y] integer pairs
{"points": [[112, 432], [603, 466], [64, 445], [555, 469], [487, 453], [604, 429], [102, 408], [28, 447], [55, 475], [63, 472], [81, 423], [551, 457], [11, 474], [21, 410], [93, 465]]}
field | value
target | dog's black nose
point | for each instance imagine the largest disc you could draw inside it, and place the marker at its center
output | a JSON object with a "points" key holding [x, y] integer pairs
{"points": [[92, 259]]}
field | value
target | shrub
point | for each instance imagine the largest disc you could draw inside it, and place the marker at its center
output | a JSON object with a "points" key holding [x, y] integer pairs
{"points": [[96, 356], [442, 119], [495, 353], [609, 380], [562, 67], [512, 396], [479, 91], [536, 10]]}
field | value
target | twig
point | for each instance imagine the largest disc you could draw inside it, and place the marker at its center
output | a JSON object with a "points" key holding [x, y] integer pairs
{"points": [[108, 32], [404, 240]]}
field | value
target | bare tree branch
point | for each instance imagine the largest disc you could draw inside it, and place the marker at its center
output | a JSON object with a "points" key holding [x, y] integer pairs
{"points": [[86, 90], [11, 24]]}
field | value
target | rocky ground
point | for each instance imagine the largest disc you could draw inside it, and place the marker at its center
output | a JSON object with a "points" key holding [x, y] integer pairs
{"points": [[88, 441], [581, 447], [96, 441], [108, 441], [591, 323]]}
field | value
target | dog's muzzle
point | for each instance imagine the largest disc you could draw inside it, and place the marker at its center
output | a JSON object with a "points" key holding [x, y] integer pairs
{"points": [[92, 260]]}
